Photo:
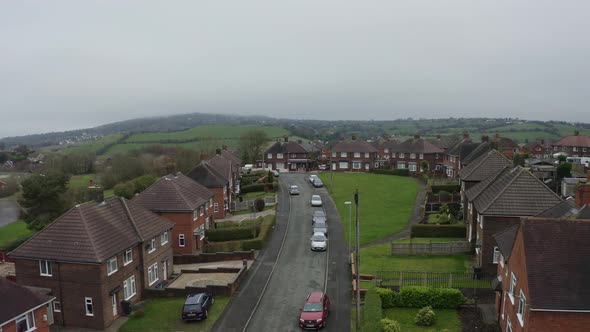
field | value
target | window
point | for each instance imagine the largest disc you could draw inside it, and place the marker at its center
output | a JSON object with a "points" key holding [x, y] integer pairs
{"points": [[508, 325], [401, 165], [496, 255], [280, 165], [112, 266], [153, 274], [343, 165], [25, 322], [413, 167], [201, 210], [56, 306], [575, 149], [357, 154], [366, 155], [512, 287], [356, 165], [216, 207], [128, 257], [501, 260], [412, 156], [211, 202], [343, 154], [207, 223], [386, 150], [89, 306], [583, 149], [202, 232], [377, 164], [422, 156], [195, 214], [129, 288], [333, 154], [181, 240], [292, 155], [45, 268], [269, 156], [279, 156], [164, 238], [401, 155], [521, 307], [151, 247]]}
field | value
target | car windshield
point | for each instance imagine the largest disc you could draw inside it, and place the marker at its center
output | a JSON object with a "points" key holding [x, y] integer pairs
{"points": [[294, 187], [315, 197], [191, 307], [312, 307], [318, 238]]}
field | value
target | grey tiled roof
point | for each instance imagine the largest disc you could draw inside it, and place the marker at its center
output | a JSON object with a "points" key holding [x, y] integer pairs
{"points": [[474, 192], [17, 300], [353, 146], [557, 266], [476, 152], [207, 176], [222, 165], [417, 145], [505, 240], [516, 193], [485, 166], [286, 147], [174, 193], [562, 209], [94, 232]]}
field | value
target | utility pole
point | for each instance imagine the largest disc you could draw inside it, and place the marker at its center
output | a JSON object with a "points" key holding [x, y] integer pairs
{"points": [[357, 263], [349, 203], [331, 177]]}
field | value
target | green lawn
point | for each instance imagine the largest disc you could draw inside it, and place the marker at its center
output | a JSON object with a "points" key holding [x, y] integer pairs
{"points": [[13, 232], [379, 257], [385, 202], [446, 320], [93, 146], [209, 131], [429, 239], [164, 315], [81, 181], [256, 195]]}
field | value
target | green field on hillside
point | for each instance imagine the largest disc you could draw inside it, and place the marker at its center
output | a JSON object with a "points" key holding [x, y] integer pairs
{"points": [[94, 146], [385, 202], [219, 132]]}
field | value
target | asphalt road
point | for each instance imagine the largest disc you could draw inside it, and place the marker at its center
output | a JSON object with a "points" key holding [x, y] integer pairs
{"points": [[9, 211], [298, 270]]}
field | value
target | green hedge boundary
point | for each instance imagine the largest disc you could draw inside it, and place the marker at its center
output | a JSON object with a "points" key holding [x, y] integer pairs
{"points": [[259, 187], [264, 225], [233, 233], [427, 230], [419, 297], [372, 311], [450, 188], [399, 172]]}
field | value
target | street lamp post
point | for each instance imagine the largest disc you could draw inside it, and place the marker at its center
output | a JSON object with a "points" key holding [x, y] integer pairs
{"points": [[349, 203]]}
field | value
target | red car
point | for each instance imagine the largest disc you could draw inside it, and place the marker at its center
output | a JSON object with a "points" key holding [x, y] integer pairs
{"points": [[315, 311]]}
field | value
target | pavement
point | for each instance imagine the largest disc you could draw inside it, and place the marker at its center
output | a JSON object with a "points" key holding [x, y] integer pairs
{"points": [[9, 211]]}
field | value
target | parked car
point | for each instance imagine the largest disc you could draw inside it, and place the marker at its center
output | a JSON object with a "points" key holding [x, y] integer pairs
{"points": [[319, 242], [196, 306], [293, 190], [312, 178], [317, 183], [316, 200], [315, 311], [318, 215], [320, 227]]}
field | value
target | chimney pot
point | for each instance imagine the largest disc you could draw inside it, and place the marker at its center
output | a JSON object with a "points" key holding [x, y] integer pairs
{"points": [[417, 135], [91, 184], [465, 134], [438, 136]]}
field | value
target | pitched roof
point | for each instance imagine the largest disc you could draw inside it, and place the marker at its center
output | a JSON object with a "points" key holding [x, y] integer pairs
{"points": [[391, 144], [206, 175], [353, 146], [484, 166], [476, 152], [231, 156], [174, 193], [505, 240], [418, 145], [562, 209], [16, 300], [286, 147], [474, 192], [515, 193], [444, 142], [574, 140], [455, 149], [222, 165], [556, 255], [94, 232]]}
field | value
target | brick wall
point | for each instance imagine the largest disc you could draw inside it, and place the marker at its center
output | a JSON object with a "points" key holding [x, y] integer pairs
{"points": [[517, 265], [219, 200], [183, 224], [491, 226], [40, 324], [214, 257]]}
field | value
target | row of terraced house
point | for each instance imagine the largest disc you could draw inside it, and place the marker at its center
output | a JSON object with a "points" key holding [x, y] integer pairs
{"points": [[89, 265]]}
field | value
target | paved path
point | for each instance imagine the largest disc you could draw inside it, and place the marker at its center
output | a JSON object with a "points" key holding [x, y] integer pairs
{"points": [[244, 216], [9, 211], [415, 218]]}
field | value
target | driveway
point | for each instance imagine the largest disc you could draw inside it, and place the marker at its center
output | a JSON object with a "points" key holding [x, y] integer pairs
{"points": [[298, 271], [9, 211]]}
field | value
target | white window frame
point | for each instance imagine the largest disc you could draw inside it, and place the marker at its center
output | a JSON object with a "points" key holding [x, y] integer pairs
{"points": [[413, 167], [201, 232], [152, 245], [343, 165], [521, 308], [129, 288], [56, 306], [128, 256], [215, 207], [269, 156], [110, 268], [153, 274], [412, 155], [164, 238], [496, 255], [211, 202], [181, 240], [501, 260], [422, 156], [508, 325], [88, 301], [279, 156], [357, 154], [401, 165], [386, 150], [512, 287], [343, 154], [201, 211], [195, 214], [29, 317], [401, 155], [367, 155], [334, 154], [48, 268], [357, 165]]}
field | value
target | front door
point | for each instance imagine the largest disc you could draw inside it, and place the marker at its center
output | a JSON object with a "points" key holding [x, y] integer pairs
{"points": [[114, 304]]}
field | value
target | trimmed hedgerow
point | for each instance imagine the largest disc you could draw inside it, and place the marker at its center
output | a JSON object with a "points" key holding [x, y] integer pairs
{"points": [[450, 188], [441, 298], [399, 172], [389, 298], [427, 230], [230, 234]]}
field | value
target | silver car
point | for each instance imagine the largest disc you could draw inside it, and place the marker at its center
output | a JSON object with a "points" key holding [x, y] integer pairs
{"points": [[293, 190], [318, 216], [320, 227], [316, 200], [319, 242]]}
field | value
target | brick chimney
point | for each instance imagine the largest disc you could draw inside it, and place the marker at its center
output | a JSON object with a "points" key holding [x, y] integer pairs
{"points": [[576, 133], [353, 137], [218, 151], [438, 136], [416, 135], [286, 138], [224, 147], [485, 138], [583, 192], [543, 142], [465, 135]]}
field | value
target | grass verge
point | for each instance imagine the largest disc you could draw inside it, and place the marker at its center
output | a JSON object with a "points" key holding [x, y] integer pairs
{"points": [[429, 239], [14, 232], [446, 320]]}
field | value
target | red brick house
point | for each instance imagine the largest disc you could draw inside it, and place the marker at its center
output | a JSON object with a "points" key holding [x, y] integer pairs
{"points": [[455, 154], [206, 175], [411, 153], [229, 170], [499, 202], [537, 149], [542, 276], [385, 150], [575, 145], [236, 166], [287, 156], [21, 309], [94, 257], [188, 204], [353, 156]]}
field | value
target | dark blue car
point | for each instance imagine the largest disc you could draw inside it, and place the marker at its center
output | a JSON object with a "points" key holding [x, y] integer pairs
{"points": [[196, 306]]}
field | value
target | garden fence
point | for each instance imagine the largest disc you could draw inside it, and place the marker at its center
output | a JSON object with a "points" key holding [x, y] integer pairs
{"points": [[385, 278], [247, 205], [431, 248]]}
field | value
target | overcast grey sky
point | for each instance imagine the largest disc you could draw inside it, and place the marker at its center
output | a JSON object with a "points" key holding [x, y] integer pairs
{"points": [[74, 64]]}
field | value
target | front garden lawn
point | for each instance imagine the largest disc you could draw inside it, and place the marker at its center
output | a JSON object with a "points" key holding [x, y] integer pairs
{"points": [[257, 194], [163, 314], [446, 320], [13, 232], [386, 202], [429, 239]]}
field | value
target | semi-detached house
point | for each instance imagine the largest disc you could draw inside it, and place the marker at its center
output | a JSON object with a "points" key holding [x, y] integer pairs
{"points": [[353, 156], [94, 257], [22, 309]]}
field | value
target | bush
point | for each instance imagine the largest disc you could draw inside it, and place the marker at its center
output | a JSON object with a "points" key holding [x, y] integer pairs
{"points": [[389, 298], [142, 182], [233, 233], [425, 230], [399, 172], [125, 189], [425, 317], [390, 325], [440, 298], [446, 298], [257, 243], [259, 204], [451, 188], [254, 187], [372, 311]]}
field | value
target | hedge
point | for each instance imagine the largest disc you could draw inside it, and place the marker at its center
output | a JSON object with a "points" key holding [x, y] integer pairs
{"points": [[427, 230], [372, 311], [233, 233], [259, 187], [258, 242], [399, 172], [451, 188], [226, 246], [441, 298], [389, 298]]}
